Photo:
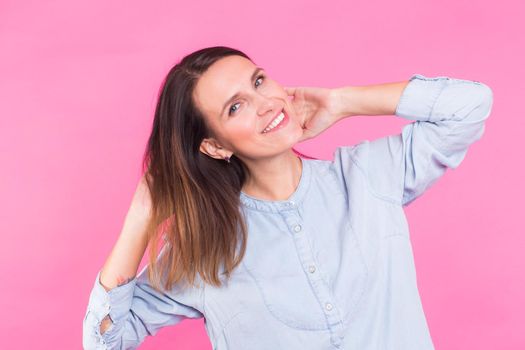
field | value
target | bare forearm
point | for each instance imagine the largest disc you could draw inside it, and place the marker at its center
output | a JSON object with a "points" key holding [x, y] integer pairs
{"points": [[378, 99], [122, 263]]}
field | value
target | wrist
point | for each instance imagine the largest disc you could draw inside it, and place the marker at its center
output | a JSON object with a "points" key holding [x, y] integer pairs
{"points": [[345, 101]]}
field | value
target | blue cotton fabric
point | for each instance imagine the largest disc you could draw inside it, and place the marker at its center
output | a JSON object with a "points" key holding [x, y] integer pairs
{"points": [[332, 266]]}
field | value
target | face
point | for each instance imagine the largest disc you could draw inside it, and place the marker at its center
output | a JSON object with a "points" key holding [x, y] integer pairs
{"points": [[240, 101]]}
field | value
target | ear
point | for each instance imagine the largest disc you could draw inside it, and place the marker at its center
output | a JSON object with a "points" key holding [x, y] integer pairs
{"points": [[212, 148]]}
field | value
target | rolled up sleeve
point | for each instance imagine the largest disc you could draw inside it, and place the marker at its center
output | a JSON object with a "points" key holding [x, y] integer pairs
{"points": [[115, 302], [137, 311], [448, 116]]}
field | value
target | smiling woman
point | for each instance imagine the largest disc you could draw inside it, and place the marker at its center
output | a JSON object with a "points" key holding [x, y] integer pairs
{"points": [[206, 142], [220, 102], [275, 250], [247, 101]]}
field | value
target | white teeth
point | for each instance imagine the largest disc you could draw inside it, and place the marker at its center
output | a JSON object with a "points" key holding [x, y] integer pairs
{"points": [[274, 123]]}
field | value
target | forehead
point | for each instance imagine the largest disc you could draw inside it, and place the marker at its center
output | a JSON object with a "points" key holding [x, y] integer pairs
{"points": [[221, 80]]}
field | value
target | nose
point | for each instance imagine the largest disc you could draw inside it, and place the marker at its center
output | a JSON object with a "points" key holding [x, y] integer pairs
{"points": [[266, 104]]}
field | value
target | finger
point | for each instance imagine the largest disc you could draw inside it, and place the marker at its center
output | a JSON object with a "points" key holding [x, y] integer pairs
{"points": [[304, 136], [290, 90]]}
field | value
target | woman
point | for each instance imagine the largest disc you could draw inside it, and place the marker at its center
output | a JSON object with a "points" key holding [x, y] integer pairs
{"points": [[274, 250]]}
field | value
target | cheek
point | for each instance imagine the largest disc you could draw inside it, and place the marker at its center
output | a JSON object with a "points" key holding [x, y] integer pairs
{"points": [[295, 120], [243, 128]]}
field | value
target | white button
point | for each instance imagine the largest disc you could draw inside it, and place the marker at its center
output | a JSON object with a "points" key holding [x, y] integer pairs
{"points": [[328, 306], [311, 268], [292, 203], [297, 228]]}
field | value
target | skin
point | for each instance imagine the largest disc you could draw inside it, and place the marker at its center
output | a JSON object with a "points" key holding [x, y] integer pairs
{"points": [[274, 169]]}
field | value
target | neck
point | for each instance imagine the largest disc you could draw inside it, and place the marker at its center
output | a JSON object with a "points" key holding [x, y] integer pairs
{"points": [[274, 178]]}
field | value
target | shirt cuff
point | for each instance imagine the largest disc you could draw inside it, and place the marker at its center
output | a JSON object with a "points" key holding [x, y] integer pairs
{"points": [[117, 301], [419, 97]]}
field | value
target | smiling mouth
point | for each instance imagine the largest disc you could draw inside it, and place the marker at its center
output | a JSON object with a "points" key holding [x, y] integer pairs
{"points": [[275, 122]]}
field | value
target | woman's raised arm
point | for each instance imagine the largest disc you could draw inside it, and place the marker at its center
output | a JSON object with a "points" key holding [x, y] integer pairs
{"points": [[449, 115], [121, 265], [124, 308]]}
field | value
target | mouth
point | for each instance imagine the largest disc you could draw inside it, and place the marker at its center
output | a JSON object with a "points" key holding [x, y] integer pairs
{"points": [[279, 121]]}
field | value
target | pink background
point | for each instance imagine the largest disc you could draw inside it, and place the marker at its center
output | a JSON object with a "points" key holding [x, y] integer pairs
{"points": [[78, 82]]}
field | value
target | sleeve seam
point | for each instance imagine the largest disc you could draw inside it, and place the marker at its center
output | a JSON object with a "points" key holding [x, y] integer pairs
{"points": [[414, 195]]}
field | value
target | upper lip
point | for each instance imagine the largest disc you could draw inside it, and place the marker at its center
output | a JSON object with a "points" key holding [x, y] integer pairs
{"points": [[275, 116]]}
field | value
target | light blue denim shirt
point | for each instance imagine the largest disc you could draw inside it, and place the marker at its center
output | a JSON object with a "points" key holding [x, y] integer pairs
{"points": [[332, 266]]}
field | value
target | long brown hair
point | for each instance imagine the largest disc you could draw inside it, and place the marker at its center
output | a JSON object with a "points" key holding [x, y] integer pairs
{"points": [[195, 198]]}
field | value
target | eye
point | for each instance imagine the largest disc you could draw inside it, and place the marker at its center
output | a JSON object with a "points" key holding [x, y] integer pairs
{"points": [[230, 111], [260, 76]]}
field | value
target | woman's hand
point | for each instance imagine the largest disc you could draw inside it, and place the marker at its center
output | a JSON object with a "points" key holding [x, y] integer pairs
{"points": [[317, 109]]}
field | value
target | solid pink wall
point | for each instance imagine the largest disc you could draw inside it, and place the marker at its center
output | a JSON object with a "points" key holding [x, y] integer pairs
{"points": [[78, 83]]}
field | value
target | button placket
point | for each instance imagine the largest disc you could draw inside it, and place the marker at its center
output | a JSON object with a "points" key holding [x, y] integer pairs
{"points": [[319, 286]]}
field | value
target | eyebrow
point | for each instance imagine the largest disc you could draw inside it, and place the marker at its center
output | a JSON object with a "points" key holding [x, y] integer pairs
{"points": [[252, 78]]}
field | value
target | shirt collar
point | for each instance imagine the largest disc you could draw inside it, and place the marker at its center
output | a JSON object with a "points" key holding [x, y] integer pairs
{"points": [[289, 204]]}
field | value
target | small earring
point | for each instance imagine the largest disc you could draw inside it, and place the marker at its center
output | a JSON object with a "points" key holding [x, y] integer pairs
{"points": [[227, 159]]}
